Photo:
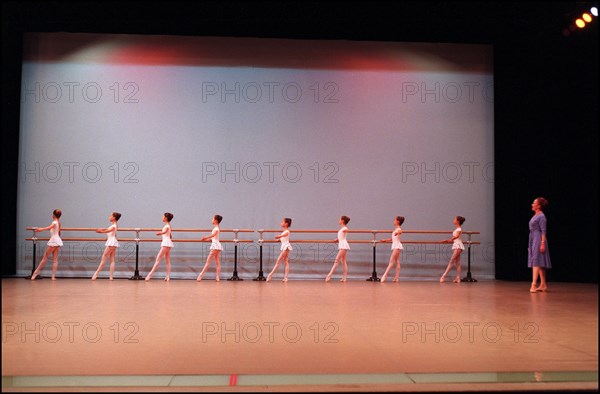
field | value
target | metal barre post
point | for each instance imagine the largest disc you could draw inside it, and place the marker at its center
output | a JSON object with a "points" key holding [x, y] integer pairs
{"points": [[374, 277], [468, 278], [235, 253], [260, 276], [136, 274], [34, 238]]}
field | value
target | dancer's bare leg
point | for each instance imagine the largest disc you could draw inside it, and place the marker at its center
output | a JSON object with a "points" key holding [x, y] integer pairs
{"points": [[105, 255], [397, 266], [49, 251], [542, 287], [392, 262], [161, 253], [335, 264], [344, 268], [287, 266], [281, 255], [457, 279], [536, 273], [112, 262], [210, 256], [55, 262], [218, 264], [452, 261], [168, 261]]}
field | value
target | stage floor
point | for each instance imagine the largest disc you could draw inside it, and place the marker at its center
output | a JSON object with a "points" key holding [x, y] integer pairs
{"points": [[412, 330]]}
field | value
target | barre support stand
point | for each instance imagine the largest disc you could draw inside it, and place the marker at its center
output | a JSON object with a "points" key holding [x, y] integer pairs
{"points": [[235, 254], [468, 278], [33, 259], [261, 276], [136, 274], [373, 277]]}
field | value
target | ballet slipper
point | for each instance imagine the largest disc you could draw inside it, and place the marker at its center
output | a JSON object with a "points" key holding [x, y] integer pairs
{"points": [[443, 278], [542, 288], [269, 277], [285, 280], [456, 280], [328, 278], [383, 279], [395, 280], [343, 280], [217, 279]]}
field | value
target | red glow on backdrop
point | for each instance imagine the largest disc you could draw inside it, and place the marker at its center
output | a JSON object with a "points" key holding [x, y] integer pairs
{"points": [[145, 55], [252, 52]]}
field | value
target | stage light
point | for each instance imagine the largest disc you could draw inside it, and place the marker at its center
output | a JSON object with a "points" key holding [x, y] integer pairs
{"points": [[587, 17], [580, 24], [594, 11]]}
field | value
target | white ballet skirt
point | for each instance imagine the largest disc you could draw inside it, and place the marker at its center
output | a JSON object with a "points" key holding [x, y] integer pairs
{"points": [[166, 237], [54, 237], [342, 243], [215, 244], [458, 243], [396, 244], [285, 240], [111, 237]]}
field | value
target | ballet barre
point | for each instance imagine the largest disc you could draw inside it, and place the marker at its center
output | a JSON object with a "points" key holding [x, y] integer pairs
{"points": [[373, 242], [138, 240], [234, 276], [374, 232]]}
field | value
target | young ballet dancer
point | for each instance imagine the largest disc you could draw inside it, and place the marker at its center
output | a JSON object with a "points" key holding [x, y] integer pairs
{"points": [[215, 249], [111, 245], [343, 247], [284, 238], [396, 248], [53, 246], [457, 248], [165, 246]]}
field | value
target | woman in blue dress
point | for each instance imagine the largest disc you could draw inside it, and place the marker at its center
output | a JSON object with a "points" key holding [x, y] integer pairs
{"points": [[538, 254]]}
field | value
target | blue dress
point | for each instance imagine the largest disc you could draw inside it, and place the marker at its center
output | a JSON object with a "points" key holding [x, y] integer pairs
{"points": [[537, 227]]}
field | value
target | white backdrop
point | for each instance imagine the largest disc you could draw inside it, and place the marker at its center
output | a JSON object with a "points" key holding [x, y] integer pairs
{"points": [[255, 130]]}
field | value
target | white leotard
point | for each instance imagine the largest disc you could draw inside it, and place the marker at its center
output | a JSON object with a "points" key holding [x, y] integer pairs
{"points": [[285, 240], [166, 237], [216, 244], [458, 243], [396, 244], [111, 236], [54, 236], [342, 243]]}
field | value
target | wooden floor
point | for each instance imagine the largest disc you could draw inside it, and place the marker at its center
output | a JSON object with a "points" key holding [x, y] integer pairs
{"points": [[79, 327]]}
